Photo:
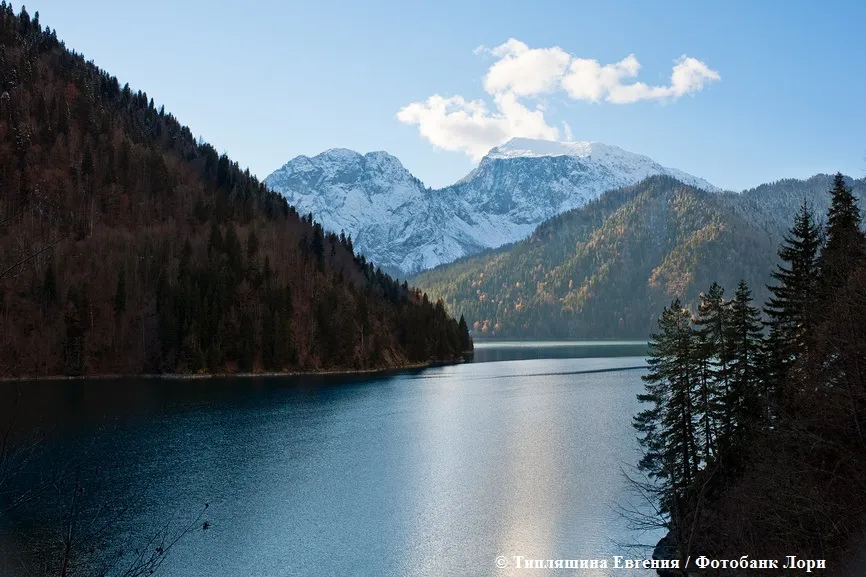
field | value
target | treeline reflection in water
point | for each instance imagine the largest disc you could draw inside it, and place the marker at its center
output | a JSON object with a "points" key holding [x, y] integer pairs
{"points": [[495, 351]]}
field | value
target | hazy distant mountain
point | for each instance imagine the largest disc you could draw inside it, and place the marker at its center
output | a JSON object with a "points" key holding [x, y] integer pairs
{"points": [[405, 227], [608, 268]]}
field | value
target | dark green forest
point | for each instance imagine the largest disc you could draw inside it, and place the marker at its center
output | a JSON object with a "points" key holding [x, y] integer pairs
{"points": [[753, 435], [606, 269], [127, 246]]}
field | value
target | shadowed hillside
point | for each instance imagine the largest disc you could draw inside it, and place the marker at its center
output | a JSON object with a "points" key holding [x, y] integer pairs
{"points": [[126, 246]]}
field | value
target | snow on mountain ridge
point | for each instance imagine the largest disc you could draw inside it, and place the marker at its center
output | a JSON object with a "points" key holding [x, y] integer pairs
{"points": [[596, 151], [405, 227], [533, 148]]}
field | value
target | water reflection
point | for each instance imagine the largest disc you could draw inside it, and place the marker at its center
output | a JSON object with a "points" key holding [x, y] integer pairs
{"points": [[424, 473], [522, 350]]}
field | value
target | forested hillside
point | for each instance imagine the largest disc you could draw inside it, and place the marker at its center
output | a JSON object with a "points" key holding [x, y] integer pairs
{"points": [[126, 246], [772, 207], [753, 433], [605, 270]]}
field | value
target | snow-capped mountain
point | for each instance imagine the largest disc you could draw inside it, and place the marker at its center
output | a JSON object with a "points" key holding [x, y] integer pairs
{"points": [[405, 227]]}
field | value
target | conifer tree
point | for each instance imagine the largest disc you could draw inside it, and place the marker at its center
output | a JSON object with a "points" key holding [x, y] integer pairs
{"points": [[711, 346], [667, 426], [845, 244], [844, 250], [790, 306], [745, 336], [465, 339]]}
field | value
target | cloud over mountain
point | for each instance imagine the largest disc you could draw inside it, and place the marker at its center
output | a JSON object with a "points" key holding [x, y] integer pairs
{"points": [[520, 74]]}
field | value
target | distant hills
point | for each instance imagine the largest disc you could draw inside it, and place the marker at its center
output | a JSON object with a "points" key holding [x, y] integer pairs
{"points": [[606, 269], [404, 227], [553, 239]]}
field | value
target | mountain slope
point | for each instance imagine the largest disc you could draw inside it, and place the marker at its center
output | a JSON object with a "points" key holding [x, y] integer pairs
{"points": [[127, 247], [772, 206], [606, 269], [404, 227]]}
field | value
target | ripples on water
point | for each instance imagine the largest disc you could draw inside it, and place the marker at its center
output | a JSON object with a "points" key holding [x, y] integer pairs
{"points": [[423, 473]]}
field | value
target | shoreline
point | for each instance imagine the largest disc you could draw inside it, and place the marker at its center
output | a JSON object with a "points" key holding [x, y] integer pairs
{"points": [[560, 342], [183, 377], [477, 340]]}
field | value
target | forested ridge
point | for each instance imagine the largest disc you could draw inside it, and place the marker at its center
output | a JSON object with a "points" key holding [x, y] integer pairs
{"points": [[753, 435], [127, 246], [606, 269]]}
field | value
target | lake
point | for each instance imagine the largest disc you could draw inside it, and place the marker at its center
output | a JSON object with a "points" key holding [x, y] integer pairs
{"points": [[428, 472]]}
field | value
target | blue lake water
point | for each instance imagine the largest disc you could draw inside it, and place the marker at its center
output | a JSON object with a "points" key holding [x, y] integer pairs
{"points": [[424, 473]]}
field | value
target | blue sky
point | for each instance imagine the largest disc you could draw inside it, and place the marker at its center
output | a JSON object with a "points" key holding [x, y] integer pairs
{"points": [[266, 81]]}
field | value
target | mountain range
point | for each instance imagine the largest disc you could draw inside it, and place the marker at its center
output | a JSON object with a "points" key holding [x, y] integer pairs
{"points": [[553, 239], [405, 227], [607, 268]]}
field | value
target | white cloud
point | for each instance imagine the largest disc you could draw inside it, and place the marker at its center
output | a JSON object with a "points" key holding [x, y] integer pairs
{"points": [[525, 71], [690, 75], [468, 126], [589, 80], [520, 72]]}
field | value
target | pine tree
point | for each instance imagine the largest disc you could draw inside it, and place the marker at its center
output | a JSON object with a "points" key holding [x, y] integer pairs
{"points": [[844, 250], [790, 306], [711, 358], [745, 336], [845, 245], [465, 339], [667, 426]]}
